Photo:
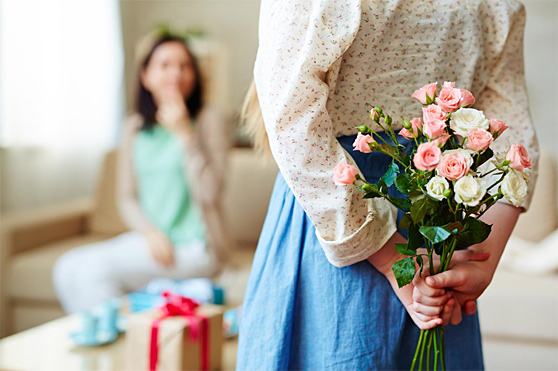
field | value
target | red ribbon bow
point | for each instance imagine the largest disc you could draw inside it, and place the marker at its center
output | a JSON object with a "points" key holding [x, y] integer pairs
{"points": [[178, 305]]}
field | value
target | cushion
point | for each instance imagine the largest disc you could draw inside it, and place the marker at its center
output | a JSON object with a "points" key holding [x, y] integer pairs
{"points": [[105, 217], [29, 274], [541, 218], [520, 306], [250, 181]]}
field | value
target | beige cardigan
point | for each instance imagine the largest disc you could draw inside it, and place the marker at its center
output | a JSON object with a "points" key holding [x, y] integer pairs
{"points": [[205, 156]]}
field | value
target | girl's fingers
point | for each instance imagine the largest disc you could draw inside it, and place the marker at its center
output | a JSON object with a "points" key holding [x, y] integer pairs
{"points": [[427, 324], [456, 316], [446, 313], [420, 284], [419, 297], [470, 307], [427, 310]]}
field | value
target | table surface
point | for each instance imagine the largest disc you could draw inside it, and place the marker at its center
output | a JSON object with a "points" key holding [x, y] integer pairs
{"points": [[49, 347]]}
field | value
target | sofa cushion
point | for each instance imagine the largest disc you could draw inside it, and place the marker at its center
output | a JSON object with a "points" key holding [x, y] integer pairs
{"points": [[520, 306], [29, 274], [541, 218], [105, 217], [250, 180]]}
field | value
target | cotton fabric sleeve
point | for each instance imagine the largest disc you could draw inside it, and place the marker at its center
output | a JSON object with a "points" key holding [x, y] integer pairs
{"points": [[301, 42], [505, 95]]}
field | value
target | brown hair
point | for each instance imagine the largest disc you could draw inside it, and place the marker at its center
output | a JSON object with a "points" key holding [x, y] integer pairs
{"points": [[252, 120]]}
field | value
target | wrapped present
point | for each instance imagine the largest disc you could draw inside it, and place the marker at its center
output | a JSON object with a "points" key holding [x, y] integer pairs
{"points": [[180, 335]]}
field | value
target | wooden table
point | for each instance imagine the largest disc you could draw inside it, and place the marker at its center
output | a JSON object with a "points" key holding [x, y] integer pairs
{"points": [[48, 347]]}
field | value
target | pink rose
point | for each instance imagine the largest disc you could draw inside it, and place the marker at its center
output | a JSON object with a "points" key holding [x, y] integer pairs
{"points": [[467, 98], [344, 174], [497, 127], [448, 84], [427, 156], [362, 143], [449, 98], [442, 139], [434, 121], [416, 126], [433, 112], [426, 94], [518, 157], [434, 129], [479, 139], [454, 164]]}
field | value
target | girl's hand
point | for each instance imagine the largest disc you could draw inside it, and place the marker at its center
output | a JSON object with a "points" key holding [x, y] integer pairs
{"points": [[173, 114], [425, 296], [467, 280], [430, 313], [161, 248]]}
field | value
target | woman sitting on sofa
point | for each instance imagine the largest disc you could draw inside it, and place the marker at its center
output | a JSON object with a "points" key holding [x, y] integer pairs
{"points": [[170, 180]]}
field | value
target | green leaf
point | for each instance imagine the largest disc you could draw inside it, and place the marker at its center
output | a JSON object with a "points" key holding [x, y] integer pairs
{"points": [[404, 271], [420, 263], [371, 190], [420, 208], [415, 239], [474, 231], [401, 203], [405, 221], [391, 174], [403, 183], [434, 234], [403, 249]]}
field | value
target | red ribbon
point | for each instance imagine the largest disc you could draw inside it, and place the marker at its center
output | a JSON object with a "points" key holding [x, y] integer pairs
{"points": [[178, 305]]}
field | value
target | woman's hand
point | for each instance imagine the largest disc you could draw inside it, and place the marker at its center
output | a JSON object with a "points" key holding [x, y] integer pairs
{"points": [[173, 114], [161, 248]]}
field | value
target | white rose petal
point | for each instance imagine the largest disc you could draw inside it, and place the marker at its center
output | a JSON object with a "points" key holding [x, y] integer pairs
{"points": [[469, 190], [514, 188], [436, 187], [466, 119]]}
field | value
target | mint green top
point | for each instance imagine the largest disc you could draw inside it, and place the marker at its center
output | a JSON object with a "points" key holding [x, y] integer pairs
{"points": [[163, 186]]}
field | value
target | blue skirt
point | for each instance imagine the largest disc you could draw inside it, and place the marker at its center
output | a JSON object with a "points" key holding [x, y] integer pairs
{"points": [[302, 313]]}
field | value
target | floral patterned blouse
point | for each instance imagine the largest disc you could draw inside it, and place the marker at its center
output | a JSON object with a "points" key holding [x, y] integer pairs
{"points": [[321, 64]]}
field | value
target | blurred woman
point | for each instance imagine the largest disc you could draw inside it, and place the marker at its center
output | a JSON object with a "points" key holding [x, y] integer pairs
{"points": [[170, 186]]}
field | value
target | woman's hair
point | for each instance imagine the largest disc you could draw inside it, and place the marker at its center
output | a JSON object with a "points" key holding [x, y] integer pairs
{"points": [[251, 117], [145, 104]]}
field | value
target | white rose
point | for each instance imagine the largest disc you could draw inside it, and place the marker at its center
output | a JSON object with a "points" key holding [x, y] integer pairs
{"points": [[469, 190], [514, 188], [437, 187], [465, 119]]}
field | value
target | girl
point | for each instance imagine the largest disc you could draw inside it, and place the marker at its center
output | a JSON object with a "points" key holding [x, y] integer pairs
{"points": [[321, 293], [170, 182]]}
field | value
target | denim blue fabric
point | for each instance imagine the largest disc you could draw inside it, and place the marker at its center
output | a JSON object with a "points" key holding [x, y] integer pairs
{"points": [[302, 313]]}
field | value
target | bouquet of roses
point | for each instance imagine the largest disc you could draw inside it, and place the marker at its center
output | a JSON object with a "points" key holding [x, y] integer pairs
{"points": [[443, 184]]}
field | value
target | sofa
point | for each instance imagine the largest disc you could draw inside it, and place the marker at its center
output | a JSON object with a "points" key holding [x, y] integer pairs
{"points": [[32, 241], [518, 312]]}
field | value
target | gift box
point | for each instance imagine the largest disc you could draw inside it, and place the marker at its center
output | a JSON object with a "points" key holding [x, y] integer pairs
{"points": [[179, 340]]}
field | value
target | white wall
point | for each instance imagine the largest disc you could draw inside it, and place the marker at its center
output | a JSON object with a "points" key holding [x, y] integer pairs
{"points": [[541, 68], [232, 23]]}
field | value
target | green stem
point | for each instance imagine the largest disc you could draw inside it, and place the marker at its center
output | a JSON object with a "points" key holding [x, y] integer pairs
{"points": [[421, 360], [496, 183], [430, 261], [490, 172], [436, 350], [415, 357], [429, 349]]}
